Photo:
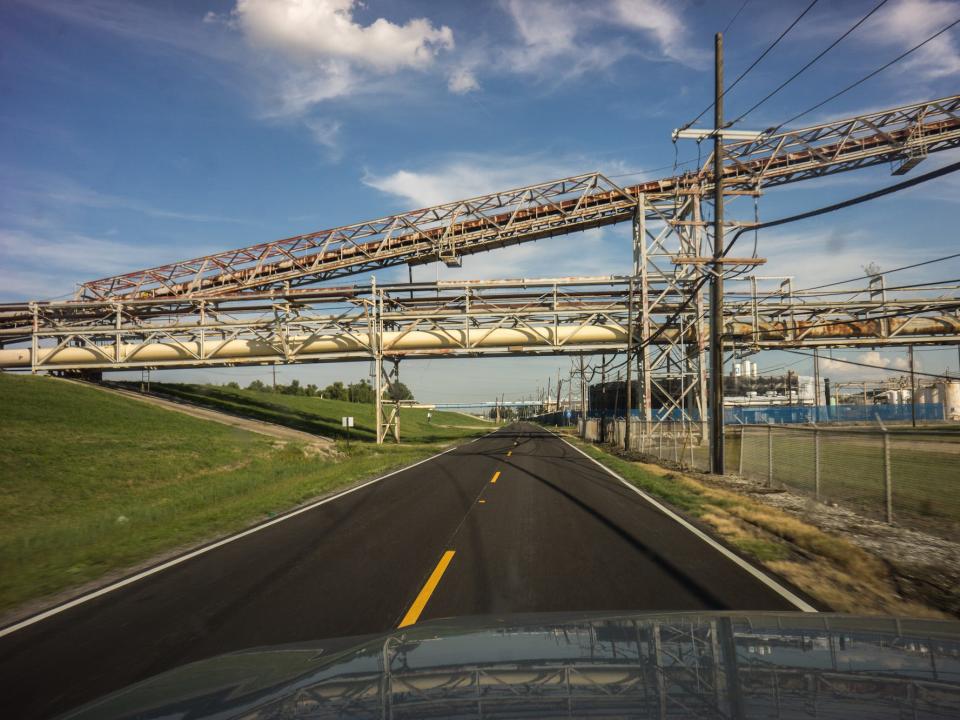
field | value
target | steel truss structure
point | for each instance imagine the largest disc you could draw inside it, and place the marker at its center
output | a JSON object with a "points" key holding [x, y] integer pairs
{"points": [[248, 306], [447, 232], [388, 323]]}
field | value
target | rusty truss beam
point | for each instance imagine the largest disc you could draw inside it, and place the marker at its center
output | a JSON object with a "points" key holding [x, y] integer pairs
{"points": [[449, 231]]}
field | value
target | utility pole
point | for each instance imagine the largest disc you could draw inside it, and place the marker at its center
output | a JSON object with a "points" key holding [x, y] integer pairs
{"points": [[626, 433], [274, 377], [913, 392], [716, 282]]}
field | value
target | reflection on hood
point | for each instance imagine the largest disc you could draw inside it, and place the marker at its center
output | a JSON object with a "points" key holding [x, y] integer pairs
{"points": [[721, 665]]}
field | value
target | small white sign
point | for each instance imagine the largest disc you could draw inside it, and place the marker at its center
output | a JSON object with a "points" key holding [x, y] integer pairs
{"points": [[346, 421]]}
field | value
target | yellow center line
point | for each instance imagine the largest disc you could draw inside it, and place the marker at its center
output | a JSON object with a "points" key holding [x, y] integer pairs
{"points": [[413, 614], [495, 476], [509, 453], [481, 501]]}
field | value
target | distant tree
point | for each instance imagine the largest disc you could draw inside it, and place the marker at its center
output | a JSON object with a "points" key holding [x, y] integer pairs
{"points": [[311, 390], [233, 385], [257, 385], [361, 392], [292, 389], [399, 391], [336, 391]]}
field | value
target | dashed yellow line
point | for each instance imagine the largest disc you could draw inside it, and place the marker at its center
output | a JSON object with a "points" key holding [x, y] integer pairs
{"points": [[481, 501], [495, 476], [509, 453], [413, 614]]}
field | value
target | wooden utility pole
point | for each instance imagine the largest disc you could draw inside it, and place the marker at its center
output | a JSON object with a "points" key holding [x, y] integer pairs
{"points": [[716, 281], [626, 433]]}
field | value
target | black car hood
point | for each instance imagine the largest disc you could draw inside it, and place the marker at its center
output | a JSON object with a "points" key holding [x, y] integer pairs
{"points": [[712, 665]]}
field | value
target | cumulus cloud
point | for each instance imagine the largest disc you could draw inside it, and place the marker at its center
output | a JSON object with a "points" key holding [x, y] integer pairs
{"points": [[324, 29], [884, 362]]}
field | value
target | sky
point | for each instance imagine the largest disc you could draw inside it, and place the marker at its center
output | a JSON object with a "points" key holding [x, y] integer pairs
{"points": [[138, 133]]}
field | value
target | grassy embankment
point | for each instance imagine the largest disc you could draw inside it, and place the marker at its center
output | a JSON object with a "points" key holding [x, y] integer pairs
{"points": [[91, 482], [836, 572]]}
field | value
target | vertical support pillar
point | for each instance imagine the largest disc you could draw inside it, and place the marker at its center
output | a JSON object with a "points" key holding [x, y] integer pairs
{"points": [[769, 455], [913, 391], [743, 441], [641, 268], [887, 479], [701, 337], [816, 464]]}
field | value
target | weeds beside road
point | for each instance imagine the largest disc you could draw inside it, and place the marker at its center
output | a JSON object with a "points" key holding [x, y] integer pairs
{"points": [[831, 569]]}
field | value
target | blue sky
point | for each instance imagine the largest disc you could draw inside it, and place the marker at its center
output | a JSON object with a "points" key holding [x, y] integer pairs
{"points": [[136, 133]]}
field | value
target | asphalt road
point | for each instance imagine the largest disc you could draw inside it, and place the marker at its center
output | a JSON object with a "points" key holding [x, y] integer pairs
{"points": [[555, 532]]}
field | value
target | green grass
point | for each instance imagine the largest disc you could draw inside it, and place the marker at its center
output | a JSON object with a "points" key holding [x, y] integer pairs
{"points": [[92, 482], [322, 417]]}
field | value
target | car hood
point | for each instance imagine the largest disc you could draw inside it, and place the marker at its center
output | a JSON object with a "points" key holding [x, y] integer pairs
{"points": [[606, 665]]}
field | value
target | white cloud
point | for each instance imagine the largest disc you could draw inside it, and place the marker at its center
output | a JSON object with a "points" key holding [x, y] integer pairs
{"points": [[462, 80], [324, 29], [909, 22], [883, 361], [469, 175], [552, 32], [660, 21]]}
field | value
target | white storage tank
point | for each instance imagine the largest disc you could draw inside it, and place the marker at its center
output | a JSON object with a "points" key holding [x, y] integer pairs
{"points": [[950, 393]]}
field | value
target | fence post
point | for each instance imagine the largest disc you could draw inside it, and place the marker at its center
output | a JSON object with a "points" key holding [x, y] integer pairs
{"points": [[887, 477], [769, 455], [816, 464], [743, 439]]}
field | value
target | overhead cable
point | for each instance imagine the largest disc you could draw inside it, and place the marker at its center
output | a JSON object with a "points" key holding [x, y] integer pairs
{"points": [[870, 75], [806, 67], [756, 62]]}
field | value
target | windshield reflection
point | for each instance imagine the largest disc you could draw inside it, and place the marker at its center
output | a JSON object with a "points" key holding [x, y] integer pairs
{"points": [[713, 666]]}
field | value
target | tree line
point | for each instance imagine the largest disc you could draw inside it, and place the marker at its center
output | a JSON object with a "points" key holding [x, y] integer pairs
{"points": [[358, 392]]}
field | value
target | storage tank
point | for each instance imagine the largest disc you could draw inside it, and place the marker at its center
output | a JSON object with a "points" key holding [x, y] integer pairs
{"points": [[737, 370], [893, 397], [950, 393]]}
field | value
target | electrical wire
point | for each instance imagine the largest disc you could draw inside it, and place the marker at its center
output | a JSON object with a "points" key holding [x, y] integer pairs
{"points": [[806, 67], [882, 272], [735, 16], [871, 365], [752, 65], [868, 76]]}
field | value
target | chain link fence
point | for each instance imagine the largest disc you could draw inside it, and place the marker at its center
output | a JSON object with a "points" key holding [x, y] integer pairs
{"points": [[901, 475]]}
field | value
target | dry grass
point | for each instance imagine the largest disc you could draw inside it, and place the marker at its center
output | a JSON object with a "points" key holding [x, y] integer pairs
{"points": [[836, 572]]}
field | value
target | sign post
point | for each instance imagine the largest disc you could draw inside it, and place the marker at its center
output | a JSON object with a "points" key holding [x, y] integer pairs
{"points": [[347, 422]]}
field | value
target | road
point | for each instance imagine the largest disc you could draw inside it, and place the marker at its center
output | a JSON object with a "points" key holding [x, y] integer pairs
{"points": [[517, 521]]}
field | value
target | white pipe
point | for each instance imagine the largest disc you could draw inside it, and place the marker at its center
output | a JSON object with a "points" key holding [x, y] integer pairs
{"points": [[51, 358]]}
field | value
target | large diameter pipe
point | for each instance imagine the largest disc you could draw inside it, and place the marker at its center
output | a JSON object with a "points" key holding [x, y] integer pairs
{"points": [[454, 339], [393, 341]]}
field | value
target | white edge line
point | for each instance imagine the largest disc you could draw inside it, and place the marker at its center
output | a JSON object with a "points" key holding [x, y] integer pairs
{"points": [[10, 629], [732, 556]]}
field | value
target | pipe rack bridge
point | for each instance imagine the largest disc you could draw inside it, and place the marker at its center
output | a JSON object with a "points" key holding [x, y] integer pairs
{"points": [[448, 319], [902, 136]]}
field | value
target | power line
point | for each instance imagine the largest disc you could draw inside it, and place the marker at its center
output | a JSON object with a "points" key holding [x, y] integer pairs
{"points": [[735, 16], [806, 67], [882, 272], [875, 367], [870, 75], [754, 63]]}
